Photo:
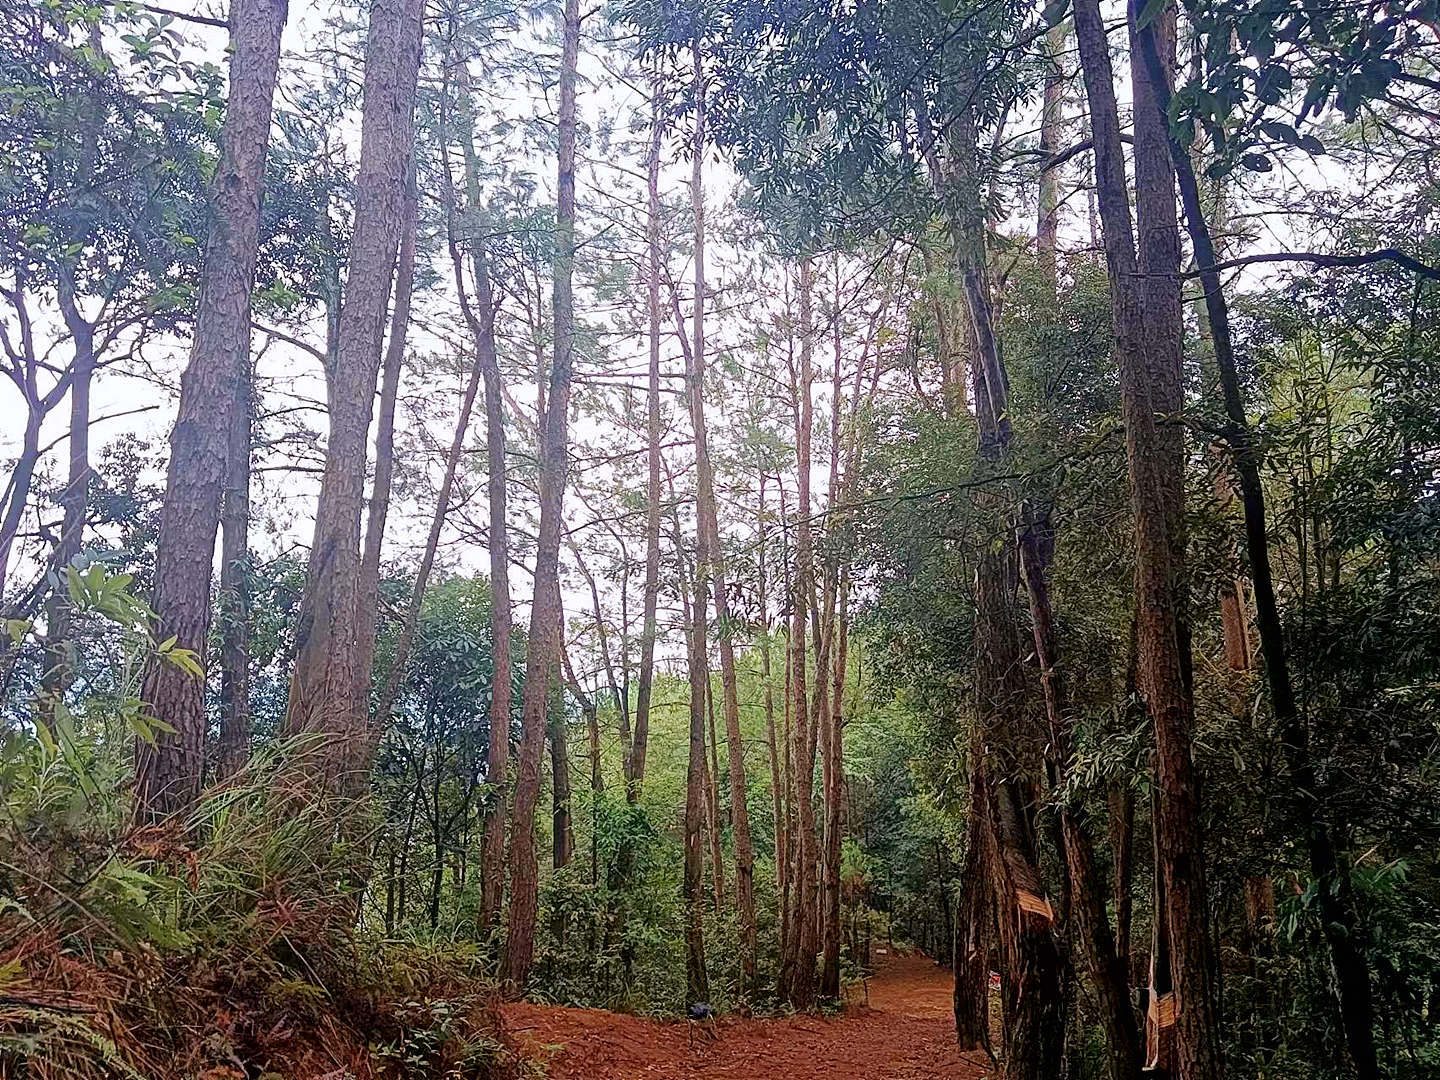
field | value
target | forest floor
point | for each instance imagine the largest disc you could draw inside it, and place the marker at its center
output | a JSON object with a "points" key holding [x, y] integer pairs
{"points": [[903, 1029]]}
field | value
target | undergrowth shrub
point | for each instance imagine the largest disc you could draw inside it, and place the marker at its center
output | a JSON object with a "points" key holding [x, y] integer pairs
{"points": [[217, 948]]}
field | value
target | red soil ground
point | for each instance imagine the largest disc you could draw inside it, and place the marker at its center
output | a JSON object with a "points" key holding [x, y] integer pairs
{"points": [[904, 1032]]}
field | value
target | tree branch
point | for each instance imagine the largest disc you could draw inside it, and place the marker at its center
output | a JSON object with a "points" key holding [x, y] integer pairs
{"points": [[1317, 258]]}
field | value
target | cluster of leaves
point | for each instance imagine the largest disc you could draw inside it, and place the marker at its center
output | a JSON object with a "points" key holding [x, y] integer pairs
{"points": [[102, 179], [1273, 69]]}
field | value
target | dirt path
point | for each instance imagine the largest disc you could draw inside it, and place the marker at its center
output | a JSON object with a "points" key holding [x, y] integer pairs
{"points": [[905, 1033]]}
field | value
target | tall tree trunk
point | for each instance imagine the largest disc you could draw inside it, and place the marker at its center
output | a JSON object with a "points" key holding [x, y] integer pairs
{"points": [[786, 739], [234, 746], [482, 331], [1121, 801], [1160, 516], [168, 771], [18, 490], [497, 757], [59, 672], [1145, 305], [1161, 1050], [971, 961], [326, 686], [716, 818], [562, 823], [75, 497], [712, 559], [774, 748], [636, 779], [544, 643], [1034, 1024], [1030, 960], [368, 603], [833, 685], [797, 976], [1087, 896], [1051, 120], [1335, 897], [693, 601]]}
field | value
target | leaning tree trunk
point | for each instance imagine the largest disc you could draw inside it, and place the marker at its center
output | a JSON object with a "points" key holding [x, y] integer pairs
{"points": [[368, 603], [168, 771], [326, 686], [1145, 303], [1031, 1005], [1087, 894], [482, 335], [544, 643]]}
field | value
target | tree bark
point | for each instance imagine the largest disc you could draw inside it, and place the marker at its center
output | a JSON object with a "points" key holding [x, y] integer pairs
{"points": [[1087, 896], [1052, 107], [497, 757], [1335, 898], [971, 962], [1121, 832], [368, 602], [693, 601], [1145, 303], [75, 497], [483, 335], [715, 821], [168, 772], [831, 681], [635, 781], [1030, 961], [797, 975], [18, 489], [1031, 1004], [711, 565], [233, 750], [562, 825], [544, 642], [326, 685], [1161, 1051], [773, 747]]}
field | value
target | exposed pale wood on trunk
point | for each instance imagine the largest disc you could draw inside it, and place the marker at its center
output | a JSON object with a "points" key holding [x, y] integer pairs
{"points": [[1087, 895], [1335, 898], [1145, 304]]}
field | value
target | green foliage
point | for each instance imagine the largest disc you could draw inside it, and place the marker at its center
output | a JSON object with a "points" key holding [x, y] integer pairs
{"points": [[845, 157], [1271, 70]]}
